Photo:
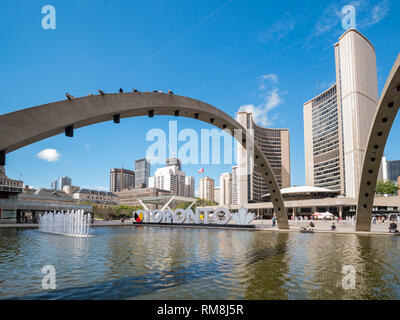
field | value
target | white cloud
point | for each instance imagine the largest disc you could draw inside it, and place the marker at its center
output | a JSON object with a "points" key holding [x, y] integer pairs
{"points": [[376, 14], [270, 100], [265, 78], [279, 29], [329, 23], [49, 155], [325, 85]]}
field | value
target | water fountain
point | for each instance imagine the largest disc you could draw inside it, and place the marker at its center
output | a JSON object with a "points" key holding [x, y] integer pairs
{"points": [[70, 223]]}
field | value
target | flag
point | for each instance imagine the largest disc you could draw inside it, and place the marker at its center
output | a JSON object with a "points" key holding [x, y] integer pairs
{"points": [[201, 170]]}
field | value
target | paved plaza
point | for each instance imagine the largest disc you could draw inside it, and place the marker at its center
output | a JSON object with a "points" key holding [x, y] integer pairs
{"points": [[343, 226]]}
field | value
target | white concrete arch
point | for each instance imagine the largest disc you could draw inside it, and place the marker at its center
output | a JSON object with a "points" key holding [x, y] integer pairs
{"points": [[388, 107], [24, 127]]}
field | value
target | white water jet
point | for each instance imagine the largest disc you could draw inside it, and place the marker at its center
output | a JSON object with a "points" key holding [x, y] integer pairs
{"points": [[70, 223]]}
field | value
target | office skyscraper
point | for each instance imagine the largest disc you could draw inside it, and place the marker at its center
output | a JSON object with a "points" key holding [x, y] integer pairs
{"points": [[393, 169], [121, 179], [64, 181], [190, 187], [235, 183], [174, 162], [337, 121], [169, 178], [225, 191], [216, 194], [60, 183], [206, 189], [142, 173], [54, 184]]}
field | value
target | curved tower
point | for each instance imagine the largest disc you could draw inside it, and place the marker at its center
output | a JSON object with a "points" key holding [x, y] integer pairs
{"points": [[337, 121], [274, 143]]}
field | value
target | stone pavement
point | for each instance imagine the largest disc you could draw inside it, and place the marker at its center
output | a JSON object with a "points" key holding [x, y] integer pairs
{"points": [[325, 226]]}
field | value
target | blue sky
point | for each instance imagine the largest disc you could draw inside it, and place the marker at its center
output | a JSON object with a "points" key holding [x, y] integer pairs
{"points": [[266, 55]]}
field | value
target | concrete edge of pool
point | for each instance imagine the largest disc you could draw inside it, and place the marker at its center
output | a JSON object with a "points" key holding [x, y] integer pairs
{"points": [[201, 226]]}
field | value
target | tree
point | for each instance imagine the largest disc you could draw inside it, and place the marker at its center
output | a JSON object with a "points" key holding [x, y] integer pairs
{"points": [[183, 205], [388, 187], [199, 203]]}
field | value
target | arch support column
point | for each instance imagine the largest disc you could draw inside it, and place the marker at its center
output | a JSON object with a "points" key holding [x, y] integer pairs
{"points": [[388, 107]]}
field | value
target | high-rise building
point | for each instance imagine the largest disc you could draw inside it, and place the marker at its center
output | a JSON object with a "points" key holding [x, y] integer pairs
{"points": [[174, 162], [235, 184], [54, 184], [190, 187], [337, 121], [217, 191], [60, 183], [274, 143], [393, 170], [225, 193], [142, 173], [169, 178], [121, 179], [64, 181], [206, 188]]}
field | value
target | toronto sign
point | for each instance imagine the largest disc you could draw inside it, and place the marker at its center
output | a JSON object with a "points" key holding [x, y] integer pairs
{"points": [[219, 216]]}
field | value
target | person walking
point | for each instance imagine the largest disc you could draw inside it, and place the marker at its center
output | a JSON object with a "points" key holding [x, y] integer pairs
{"points": [[273, 221]]}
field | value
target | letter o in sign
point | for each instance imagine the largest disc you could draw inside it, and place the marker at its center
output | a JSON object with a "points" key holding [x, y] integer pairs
{"points": [[221, 216], [179, 216]]}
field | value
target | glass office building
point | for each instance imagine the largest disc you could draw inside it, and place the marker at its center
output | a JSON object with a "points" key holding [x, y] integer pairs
{"points": [[142, 173]]}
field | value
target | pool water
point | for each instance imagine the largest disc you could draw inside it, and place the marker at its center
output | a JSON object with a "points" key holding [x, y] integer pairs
{"points": [[185, 263]]}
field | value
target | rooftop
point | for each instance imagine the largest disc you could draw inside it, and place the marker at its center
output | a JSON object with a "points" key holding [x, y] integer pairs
{"points": [[305, 190]]}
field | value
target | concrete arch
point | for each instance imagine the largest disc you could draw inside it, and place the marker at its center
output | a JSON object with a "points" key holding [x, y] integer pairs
{"points": [[388, 107], [24, 127]]}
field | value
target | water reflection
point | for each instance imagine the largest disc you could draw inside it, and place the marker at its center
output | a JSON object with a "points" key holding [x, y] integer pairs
{"points": [[170, 263], [266, 270]]}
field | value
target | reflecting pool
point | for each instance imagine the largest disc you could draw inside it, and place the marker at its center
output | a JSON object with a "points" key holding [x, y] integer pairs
{"points": [[184, 263]]}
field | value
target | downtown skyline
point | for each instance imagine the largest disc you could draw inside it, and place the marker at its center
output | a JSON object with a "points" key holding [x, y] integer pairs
{"points": [[255, 69]]}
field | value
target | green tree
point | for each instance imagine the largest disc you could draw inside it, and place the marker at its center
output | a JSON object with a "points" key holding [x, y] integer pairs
{"points": [[388, 187], [199, 203], [183, 205]]}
